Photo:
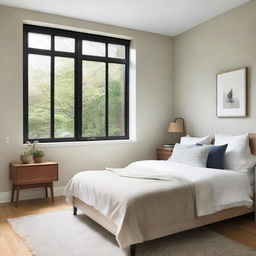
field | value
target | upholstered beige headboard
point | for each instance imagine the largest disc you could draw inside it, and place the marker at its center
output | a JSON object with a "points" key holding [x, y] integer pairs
{"points": [[252, 142]]}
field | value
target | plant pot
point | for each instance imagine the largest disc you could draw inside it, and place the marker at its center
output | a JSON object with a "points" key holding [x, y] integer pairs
{"points": [[26, 159], [38, 159]]}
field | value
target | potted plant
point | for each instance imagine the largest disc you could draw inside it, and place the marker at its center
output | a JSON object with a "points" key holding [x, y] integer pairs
{"points": [[32, 153], [38, 155], [26, 157]]}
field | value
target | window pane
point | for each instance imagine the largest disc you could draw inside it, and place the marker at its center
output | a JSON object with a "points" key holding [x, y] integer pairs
{"points": [[39, 81], [93, 48], [116, 99], [64, 97], [116, 51], [93, 99], [64, 44], [39, 41]]}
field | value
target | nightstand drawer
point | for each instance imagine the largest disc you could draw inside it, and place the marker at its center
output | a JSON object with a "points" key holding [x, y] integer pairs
{"points": [[163, 153], [30, 174]]}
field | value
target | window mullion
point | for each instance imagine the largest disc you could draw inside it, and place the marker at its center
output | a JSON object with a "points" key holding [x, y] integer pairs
{"points": [[25, 85], [127, 56], [78, 91], [52, 86], [106, 94]]}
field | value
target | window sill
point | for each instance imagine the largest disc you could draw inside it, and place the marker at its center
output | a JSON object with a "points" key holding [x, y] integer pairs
{"points": [[85, 143]]}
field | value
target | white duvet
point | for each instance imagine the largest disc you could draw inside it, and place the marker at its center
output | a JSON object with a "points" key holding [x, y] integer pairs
{"points": [[147, 191], [214, 189]]}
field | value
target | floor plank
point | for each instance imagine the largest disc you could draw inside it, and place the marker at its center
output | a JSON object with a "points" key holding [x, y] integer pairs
{"points": [[241, 229]]}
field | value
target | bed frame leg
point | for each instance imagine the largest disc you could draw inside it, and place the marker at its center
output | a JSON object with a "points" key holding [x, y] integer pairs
{"points": [[74, 210], [133, 249]]}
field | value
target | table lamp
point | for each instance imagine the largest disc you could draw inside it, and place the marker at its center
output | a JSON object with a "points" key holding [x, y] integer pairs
{"points": [[176, 127]]}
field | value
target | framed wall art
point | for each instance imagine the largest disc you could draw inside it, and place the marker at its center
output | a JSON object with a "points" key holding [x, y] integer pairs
{"points": [[232, 93]]}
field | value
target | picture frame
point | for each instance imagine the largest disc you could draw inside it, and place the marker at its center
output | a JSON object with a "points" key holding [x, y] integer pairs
{"points": [[231, 96]]}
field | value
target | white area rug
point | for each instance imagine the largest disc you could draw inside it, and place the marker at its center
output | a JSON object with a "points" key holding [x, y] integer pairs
{"points": [[63, 234]]}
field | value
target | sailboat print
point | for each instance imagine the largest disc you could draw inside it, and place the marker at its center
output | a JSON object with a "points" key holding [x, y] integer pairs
{"points": [[230, 96]]}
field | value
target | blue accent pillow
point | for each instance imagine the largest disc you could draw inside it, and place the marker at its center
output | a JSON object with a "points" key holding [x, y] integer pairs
{"points": [[216, 156]]}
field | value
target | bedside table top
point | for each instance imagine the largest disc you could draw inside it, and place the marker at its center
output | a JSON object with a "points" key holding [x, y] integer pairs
{"points": [[33, 164], [164, 148]]}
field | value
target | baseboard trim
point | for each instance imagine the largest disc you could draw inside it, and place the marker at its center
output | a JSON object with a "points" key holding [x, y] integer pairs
{"points": [[27, 194]]}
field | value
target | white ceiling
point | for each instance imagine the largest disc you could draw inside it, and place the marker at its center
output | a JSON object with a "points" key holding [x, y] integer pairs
{"points": [[169, 17]]}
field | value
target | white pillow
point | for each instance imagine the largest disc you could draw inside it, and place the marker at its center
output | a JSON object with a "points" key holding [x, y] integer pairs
{"points": [[188, 140], [238, 154], [190, 155]]}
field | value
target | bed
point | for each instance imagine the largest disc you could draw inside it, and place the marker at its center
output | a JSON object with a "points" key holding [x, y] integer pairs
{"points": [[146, 201]]}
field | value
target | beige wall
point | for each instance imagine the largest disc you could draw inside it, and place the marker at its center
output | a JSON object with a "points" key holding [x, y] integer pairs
{"points": [[154, 89], [223, 43]]}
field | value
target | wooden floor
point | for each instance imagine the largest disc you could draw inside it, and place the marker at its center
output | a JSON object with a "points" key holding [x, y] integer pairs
{"points": [[241, 229], [10, 243]]}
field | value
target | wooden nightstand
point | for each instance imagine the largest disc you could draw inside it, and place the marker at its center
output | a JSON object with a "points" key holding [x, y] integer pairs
{"points": [[163, 153], [24, 176]]}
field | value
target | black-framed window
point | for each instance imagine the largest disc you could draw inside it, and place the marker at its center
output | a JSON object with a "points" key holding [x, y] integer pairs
{"points": [[76, 86]]}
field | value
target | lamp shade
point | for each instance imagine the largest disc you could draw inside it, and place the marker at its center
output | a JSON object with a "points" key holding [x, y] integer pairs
{"points": [[175, 127]]}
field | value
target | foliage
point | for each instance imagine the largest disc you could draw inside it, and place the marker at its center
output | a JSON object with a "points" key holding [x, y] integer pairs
{"points": [[38, 153], [93, 98], [29, 150], [27, 153], [33, 150]]}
